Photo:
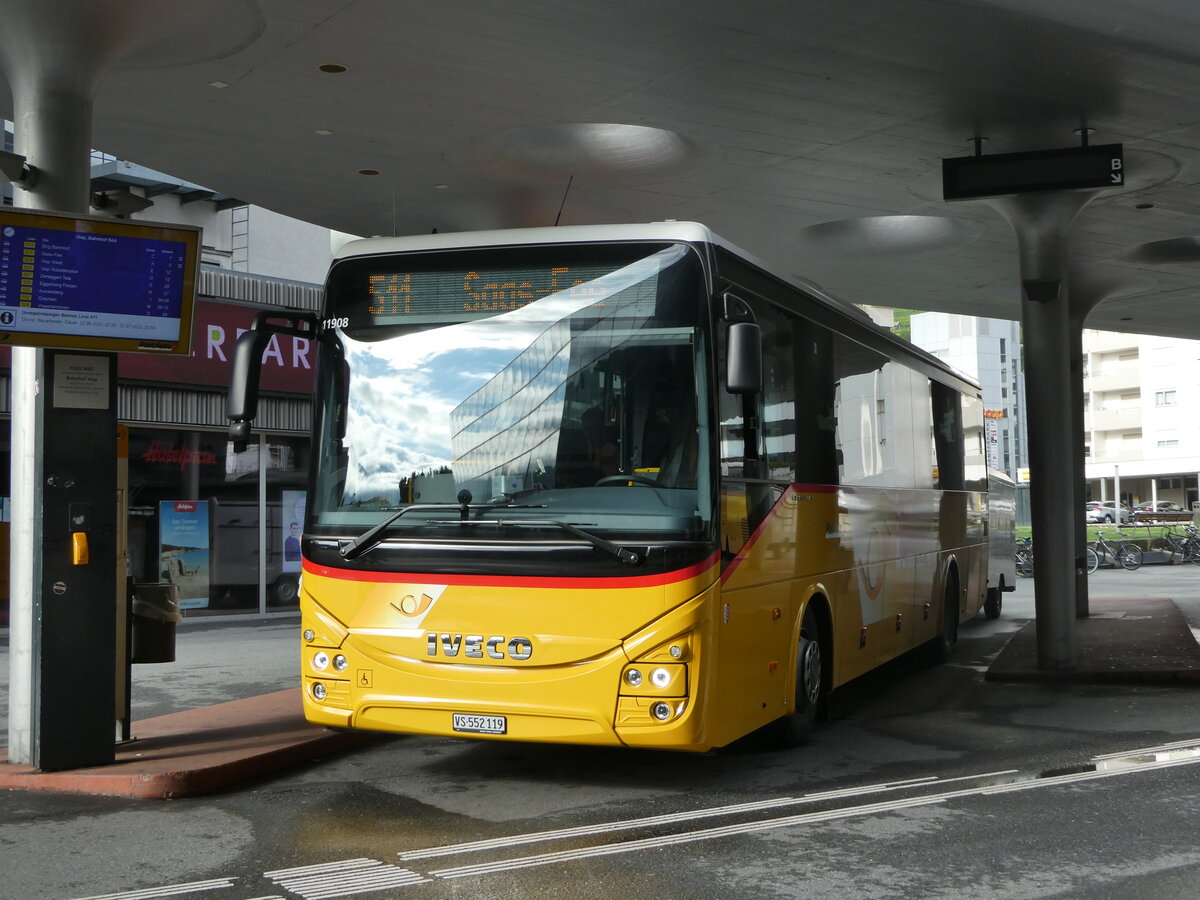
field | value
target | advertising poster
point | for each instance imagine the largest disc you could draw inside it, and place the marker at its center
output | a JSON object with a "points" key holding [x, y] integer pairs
{"points": [[183, 554], [993, 439], [291, 522]]}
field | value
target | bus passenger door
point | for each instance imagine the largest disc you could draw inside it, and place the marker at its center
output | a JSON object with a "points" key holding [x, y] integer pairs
{"points": [[754, 633]]}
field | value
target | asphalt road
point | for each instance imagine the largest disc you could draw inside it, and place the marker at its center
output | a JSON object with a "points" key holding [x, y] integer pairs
{"points": [[929, 782]]}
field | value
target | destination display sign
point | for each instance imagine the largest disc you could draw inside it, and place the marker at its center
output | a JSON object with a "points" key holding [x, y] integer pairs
{"points": [[471, 292], [89, 282], [998, 174]]}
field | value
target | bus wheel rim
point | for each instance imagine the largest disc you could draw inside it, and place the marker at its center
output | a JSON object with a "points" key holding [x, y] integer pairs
{"points": [[811, 672]]}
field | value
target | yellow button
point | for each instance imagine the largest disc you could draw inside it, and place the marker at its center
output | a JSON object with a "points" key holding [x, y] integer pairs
{"points": [[79, 548]]}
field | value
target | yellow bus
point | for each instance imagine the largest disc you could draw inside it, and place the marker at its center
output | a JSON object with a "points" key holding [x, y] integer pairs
{"points": [[616, 485]]}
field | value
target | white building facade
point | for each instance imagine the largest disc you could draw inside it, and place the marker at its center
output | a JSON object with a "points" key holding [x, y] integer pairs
{"points": [[989, 351], [1139, 445]]}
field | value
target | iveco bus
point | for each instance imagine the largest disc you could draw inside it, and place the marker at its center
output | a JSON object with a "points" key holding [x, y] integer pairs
{"points": [[616, 485]]}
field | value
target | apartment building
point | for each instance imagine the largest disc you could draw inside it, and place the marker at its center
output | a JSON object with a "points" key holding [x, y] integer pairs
{"points": [[1141, 443]]}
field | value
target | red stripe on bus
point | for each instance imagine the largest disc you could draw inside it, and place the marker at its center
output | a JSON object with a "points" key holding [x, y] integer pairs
{"points": [[762, 526], [632, 581]]}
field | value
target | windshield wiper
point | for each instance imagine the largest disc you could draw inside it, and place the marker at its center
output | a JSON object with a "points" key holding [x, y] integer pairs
{"points": [[622, 554], [371, 538]]}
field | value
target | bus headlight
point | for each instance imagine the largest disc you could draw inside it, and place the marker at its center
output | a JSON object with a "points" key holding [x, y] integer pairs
{"points": [[665, 680], [320, 661], [340, 662], [661, 711], [318, 691]]}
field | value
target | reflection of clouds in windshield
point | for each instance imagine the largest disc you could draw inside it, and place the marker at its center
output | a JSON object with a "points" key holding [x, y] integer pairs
{"points": [[403, 391]]}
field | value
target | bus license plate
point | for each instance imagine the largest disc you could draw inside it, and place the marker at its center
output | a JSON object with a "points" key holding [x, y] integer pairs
{"points": [[480, 724]]}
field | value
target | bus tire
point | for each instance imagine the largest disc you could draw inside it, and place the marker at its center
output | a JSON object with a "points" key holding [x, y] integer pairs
{"points": [[943, 644], [995, 600], [812, 663]]}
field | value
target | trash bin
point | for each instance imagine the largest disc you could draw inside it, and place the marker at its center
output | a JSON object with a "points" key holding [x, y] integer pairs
{"points": [[155, 615]]}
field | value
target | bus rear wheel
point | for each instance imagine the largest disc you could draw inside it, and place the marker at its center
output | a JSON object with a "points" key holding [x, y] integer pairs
{"points": [[811, 652], [995, 600], [943, 645]]}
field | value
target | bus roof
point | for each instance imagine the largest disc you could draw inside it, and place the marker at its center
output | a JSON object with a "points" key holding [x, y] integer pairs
{"points": [[566, 234], [669, 230]]}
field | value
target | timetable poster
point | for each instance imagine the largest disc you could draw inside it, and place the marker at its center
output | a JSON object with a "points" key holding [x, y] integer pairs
{"points": [[184, 549]]}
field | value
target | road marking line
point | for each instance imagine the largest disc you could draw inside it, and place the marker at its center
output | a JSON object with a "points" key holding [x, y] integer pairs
{"points": [[561, 856], [655, 843], [1142, 751], [344, 878], [170, 890], [674, 818]]}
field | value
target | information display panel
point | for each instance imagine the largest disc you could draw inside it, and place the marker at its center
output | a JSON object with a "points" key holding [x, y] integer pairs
{"points": [[998, 174], [96, 283]]}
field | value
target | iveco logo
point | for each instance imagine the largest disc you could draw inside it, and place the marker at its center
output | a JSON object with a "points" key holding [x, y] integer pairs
{"points": [[476, 646]]}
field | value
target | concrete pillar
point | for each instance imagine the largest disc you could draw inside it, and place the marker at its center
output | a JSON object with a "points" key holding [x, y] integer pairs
{"points": [[52, 129], [1041, 222]]}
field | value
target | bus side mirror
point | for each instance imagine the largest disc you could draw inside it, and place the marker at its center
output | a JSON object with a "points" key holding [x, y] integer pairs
{"points": [[241, 403], [743, 369]]}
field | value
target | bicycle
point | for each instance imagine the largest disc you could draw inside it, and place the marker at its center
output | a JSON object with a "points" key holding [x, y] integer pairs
{"points": [[1023, 557], [1186, 545], [1125, 553]]}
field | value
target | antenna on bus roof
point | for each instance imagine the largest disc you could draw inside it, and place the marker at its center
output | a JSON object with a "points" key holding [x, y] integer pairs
{"points": [[564, 200]]}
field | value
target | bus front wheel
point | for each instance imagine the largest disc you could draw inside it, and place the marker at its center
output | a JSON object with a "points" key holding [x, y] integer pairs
{"points": [[811, 651]]}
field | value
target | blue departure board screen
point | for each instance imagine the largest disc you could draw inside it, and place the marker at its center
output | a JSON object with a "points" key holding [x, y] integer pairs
{"points": [[90, 282]]}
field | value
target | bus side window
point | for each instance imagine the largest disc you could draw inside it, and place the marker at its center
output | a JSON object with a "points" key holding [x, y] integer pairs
{"points": [[816, 422], [948, 450]]}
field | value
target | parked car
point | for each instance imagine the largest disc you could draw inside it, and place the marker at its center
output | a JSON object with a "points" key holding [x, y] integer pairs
{"points": [[1162, 511], [1107, 512]]}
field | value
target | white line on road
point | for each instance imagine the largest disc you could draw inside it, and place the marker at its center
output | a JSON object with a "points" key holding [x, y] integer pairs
{"points": [[545, 859], [170, 890], [344, 878], [675, 818]]}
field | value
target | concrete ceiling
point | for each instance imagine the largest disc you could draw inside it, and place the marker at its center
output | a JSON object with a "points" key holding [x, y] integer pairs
{"points": [[788, 126]]}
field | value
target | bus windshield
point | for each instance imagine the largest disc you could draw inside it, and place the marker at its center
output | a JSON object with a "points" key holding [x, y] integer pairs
{"points": [[557, 385]]}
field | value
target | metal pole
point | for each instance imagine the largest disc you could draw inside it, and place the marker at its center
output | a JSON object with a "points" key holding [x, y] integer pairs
{"points": [[1079, 463]]}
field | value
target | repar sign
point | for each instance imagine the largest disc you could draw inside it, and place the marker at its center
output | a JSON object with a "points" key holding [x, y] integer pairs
{"points": [[296, 355]]}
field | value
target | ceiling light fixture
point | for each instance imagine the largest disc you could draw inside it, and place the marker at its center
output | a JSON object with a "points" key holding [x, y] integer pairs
{"points": [[324, 131], [332, 68], [218, 84]]}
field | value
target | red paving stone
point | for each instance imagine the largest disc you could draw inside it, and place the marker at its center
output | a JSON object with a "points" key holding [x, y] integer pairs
{"points": [[199, 751]]}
